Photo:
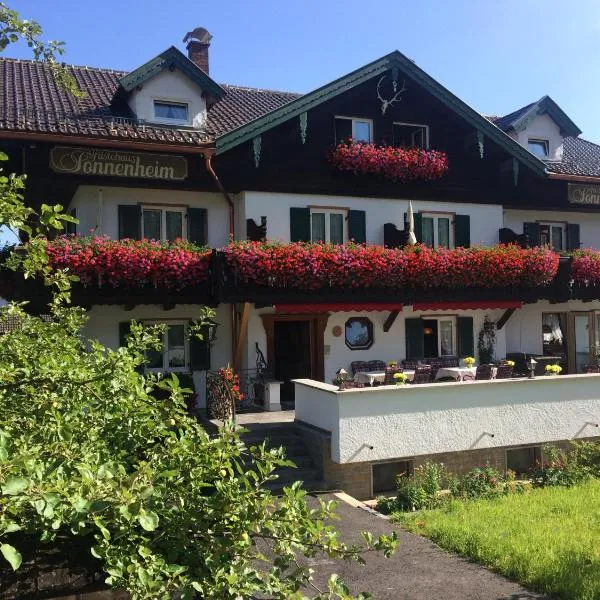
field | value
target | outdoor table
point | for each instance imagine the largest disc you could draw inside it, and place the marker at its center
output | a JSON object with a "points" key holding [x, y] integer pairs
{"points": [[457, 373], [370, 377]]}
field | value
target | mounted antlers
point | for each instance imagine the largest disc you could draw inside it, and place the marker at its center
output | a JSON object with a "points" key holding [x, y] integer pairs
{"points": [[387, 103]]}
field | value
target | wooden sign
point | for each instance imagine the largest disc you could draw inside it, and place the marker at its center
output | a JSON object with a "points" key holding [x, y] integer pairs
{"points": [[584, 194], [116, 163]]}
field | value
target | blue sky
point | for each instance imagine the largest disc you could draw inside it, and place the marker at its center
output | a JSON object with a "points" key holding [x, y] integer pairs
{"points": [[495, 55]]}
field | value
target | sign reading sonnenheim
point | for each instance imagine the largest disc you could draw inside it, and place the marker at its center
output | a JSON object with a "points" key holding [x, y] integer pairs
{"points": [[117, 163], [584, 194]]}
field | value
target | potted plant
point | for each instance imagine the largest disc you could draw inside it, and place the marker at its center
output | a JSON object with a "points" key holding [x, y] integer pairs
{"points": [[400, 378], [469, 361], [553, 369]]}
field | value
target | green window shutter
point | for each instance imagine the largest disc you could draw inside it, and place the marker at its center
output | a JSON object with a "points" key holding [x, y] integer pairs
{"points": [[357, 226], [466, 346], [533, 231], [414, 338], [299, 224], [199, 353], [573, 236], [418, 220], [130, 216], [124, 329], [197, 226], [462, 231]]}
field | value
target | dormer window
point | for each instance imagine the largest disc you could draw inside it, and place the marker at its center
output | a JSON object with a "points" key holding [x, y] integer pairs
{"points": [[360, 130], [411, 135], [539, 147], [166, 111]]}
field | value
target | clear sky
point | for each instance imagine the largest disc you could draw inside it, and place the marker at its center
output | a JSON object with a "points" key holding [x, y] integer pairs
{"points": [[495, 55]]}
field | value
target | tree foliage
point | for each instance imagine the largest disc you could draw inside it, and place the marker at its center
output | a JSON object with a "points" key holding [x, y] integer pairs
{"points": [[89, 454]]}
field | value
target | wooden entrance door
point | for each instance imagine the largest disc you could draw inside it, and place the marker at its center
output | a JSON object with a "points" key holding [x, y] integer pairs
{"points": [[295, 348]]}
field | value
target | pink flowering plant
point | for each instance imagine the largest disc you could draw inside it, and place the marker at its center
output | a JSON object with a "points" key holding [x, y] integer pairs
{"points": [[585, 266], [391, 162], [129, 263], [310, 266]]}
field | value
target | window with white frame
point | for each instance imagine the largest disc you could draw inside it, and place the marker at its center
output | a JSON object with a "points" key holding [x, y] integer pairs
{"points": [[162, 223], [541, 148], [438, 230], [328, 225], [554, 235], [439, 336], [411, 135], [167, 111], [360, 130], [174, 354]]}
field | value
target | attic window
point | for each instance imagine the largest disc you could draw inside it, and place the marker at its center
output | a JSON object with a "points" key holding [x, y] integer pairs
{"points": [[171, 112], [411, 135], [360, 130], [539, 148]]}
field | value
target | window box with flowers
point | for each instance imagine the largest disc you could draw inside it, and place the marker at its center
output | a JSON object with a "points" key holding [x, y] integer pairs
{"points": [[391, 162]]}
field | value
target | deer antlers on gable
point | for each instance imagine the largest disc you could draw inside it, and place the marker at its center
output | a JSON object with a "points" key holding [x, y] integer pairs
{"points": [[387, 103]]}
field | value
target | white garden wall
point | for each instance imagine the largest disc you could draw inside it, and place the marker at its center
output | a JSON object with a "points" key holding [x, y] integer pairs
{"points": [[399, 422]]}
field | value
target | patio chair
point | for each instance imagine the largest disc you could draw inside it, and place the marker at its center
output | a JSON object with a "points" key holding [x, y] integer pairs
{"points": [[484, 372], [389, 375], [449, 361], [436, 364], [359, 366], [410, 363], [504, 372], [376, 365], [591, 368], [351, 385], [422, 374]]}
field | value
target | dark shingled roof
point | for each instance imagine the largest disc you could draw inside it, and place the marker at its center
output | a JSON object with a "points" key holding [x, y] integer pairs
{"points": [[506, 121], [31, 101], [580, 157]]}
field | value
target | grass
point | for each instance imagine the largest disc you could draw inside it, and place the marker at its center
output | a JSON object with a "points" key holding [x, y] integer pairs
{"points": [[547, 539]]}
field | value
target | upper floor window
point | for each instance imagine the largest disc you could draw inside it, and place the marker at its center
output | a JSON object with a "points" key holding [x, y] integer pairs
{"points": [[554, 235], [171, 112], [164, 224], [360, 130], [411, 135], [539, 147], [328, 225], [438, 230]]}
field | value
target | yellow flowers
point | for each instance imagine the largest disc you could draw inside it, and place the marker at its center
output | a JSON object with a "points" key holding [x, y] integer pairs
{"points": [[400, 378], [553, 369], [469, 361]]}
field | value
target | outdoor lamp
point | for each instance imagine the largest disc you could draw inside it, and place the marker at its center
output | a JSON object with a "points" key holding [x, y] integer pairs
{"points": [[531, 365], [212, 331]]}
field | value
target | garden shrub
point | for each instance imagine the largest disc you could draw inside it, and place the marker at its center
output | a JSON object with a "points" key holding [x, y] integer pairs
{"points": [[586, 455], [422, 488], [559, 468], [481, 482]]}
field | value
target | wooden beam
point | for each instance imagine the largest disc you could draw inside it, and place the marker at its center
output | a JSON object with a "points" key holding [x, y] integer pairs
{"points": [[390, 320], [241, 338], [505, 317]]}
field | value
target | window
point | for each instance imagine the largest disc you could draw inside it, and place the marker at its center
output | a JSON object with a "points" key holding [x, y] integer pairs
{"points": [[385, 475], [171, 112], [409, 135], [438, 230], [163, 224], [539, 148], [439, 337], [359, 333], [522, 460], [554, 340], [360, 130], [328, 226], [174, 355], [554, 235]]}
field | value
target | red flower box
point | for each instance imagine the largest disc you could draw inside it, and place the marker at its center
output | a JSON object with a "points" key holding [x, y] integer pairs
{"points": [[397, 164], [585, 267], [305, 266], [128, 263]]}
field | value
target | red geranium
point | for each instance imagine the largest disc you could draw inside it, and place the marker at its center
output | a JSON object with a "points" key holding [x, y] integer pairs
{"points": [[395, 163], [585, 267], [308, 266], [129, 263]]}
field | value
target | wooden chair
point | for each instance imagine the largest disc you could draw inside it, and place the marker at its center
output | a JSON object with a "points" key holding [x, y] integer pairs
{"points": [[422, 374], [389, 375], [591, 368], [436, 364], [410, 363], [504, 371], [359, 366], [351, 385], [376, 365], [484, 372], [448, 361]]}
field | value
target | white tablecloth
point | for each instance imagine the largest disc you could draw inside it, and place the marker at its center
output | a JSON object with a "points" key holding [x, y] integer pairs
{"points": [[457, 373], [370, 377]]}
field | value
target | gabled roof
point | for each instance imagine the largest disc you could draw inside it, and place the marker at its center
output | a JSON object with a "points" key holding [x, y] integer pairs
{"points": [[580, 158], [172, 57], [544, 105], [31, 102], [394, 60]]}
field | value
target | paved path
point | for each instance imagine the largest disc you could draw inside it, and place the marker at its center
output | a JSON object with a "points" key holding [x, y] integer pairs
{"points": [[419, 570]]}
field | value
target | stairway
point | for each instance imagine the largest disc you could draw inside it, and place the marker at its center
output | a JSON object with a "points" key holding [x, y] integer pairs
{"points": [[288, 436]]}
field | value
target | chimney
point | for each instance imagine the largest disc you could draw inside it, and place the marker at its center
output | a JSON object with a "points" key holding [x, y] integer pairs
{"points": [[198, 42]]}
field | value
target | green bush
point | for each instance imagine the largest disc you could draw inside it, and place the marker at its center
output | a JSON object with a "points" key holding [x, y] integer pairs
{"points": [[422, 488], [481, 482], [560, 468], [586, 456]]}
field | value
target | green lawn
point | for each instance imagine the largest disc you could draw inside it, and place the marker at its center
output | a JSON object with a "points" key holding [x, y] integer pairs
{"points": [[547, 539]]}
